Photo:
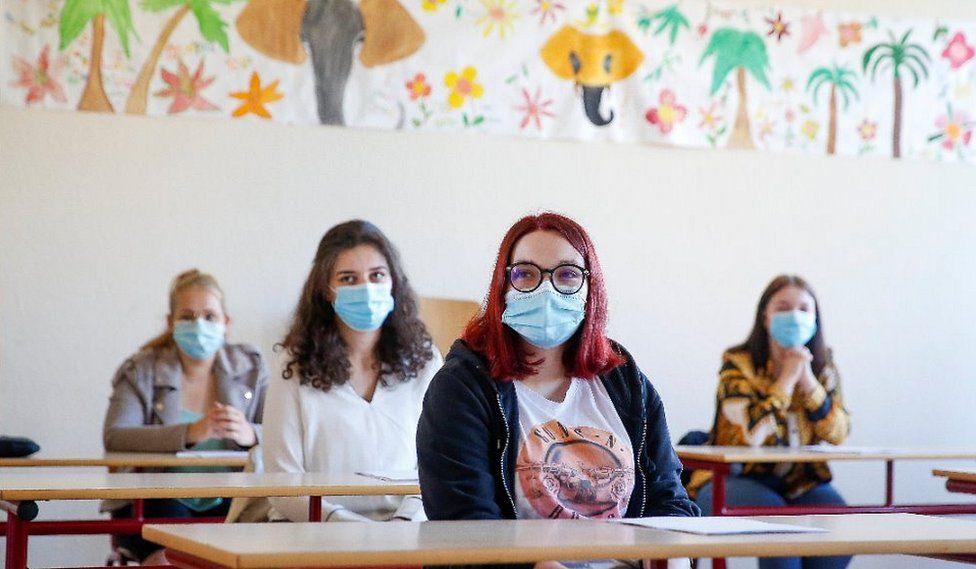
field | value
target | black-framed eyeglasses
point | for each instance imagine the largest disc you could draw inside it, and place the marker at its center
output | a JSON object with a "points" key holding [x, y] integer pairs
{"points": [[566, 278]]}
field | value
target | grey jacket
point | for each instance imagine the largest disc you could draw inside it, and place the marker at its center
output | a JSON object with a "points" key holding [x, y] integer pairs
{"points": [[144, 410]]}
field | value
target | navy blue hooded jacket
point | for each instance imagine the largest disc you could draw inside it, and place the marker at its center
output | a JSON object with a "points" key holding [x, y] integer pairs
{"points": [[468, 439]]}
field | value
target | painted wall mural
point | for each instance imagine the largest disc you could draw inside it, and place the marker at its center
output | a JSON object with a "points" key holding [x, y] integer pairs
{"points": [[692, 73]]}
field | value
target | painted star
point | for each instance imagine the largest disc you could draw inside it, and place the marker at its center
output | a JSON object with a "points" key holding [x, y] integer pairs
{"points": [[256, 97], [778, 27]]}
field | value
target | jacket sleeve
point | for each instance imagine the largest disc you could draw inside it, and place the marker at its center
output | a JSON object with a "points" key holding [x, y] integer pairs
{"points": [[454, 451], [665, 494], [825, 407], [752, 414], [126, 428], [260, 392]]}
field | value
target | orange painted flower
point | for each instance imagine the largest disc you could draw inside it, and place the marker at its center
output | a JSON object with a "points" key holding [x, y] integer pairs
{"points": [[463, 86], [419, 88], [850, 33], [256, 97]]}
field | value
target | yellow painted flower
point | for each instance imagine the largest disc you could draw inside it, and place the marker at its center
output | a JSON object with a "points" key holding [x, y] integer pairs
{"points": [[788, 85], [463, 86], [500, 15], [431, 5], [810, 128], [615, 6]]}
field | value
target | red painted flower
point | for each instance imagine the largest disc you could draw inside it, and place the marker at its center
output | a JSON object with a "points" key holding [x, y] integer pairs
{"points": [[38, 80], [778, 27], [668, 113], [958, 51], [419, 88], [185, 89], [534, 108]]}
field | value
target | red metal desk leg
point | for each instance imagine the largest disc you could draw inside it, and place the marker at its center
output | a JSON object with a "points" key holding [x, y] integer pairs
{"points": [[889, 482], [17, 532], [314, 509]]}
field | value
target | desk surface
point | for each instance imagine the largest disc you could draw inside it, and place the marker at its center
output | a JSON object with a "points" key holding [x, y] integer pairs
{"points": [[125, 460], [961, 475], [727, 455], [60, 485], [259, 546]]}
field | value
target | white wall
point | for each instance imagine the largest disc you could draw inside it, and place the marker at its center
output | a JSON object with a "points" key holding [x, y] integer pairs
{"points": [[98, 213]]}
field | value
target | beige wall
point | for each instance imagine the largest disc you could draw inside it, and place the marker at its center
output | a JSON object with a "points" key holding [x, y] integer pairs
{"points": [[98, 213]]}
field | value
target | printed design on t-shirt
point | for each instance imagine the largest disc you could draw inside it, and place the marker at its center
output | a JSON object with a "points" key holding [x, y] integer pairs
{"points": [[575, 472]]}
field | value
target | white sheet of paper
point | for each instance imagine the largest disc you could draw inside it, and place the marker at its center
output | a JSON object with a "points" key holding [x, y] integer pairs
{"points": [[717, 525], [392, 475], [212, 454], [847, 449]]}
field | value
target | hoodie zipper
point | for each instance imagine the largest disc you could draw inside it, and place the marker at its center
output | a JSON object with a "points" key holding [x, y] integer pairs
{"points": [[498, 398], [640, 452]]}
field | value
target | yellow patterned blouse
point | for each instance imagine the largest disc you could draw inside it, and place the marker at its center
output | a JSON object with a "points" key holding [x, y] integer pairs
{"points": [[752, 411]]}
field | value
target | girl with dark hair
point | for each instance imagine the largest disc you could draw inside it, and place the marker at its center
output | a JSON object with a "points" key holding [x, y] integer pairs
{"points": [[779, 388], [357, 361], [536, 414]]}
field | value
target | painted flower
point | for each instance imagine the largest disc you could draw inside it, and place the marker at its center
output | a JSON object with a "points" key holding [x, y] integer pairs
{"points": [[547, 10], [867, 130], [810, 128], [615, 7], [431, 5], [954, 128], [850, 33], [534, 108], [499, 15], [710, 119], [256, 97], [790, 116], [38, 79], [463, 86], [788, 85], [185, 88], [778, 27], [667, 113], [958, 51], [418, 88]]}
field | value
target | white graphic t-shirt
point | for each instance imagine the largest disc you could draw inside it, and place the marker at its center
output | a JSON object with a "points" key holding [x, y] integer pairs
{"points": [[576, 459]]}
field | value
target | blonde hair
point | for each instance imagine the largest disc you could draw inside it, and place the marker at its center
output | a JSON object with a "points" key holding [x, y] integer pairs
{"points": [[183, 281]]}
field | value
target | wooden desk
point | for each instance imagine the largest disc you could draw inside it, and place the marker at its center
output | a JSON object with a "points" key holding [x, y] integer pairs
{"points": [[19, 489], [963, 481], [260, 546], [720, 460], [117, 460]]}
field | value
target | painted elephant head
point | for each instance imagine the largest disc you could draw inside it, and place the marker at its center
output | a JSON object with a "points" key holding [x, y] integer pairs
{"points": [[594, 62], [330, 29]]}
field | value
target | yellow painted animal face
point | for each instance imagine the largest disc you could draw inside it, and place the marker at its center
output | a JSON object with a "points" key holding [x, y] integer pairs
{"points": [[591, 60]]}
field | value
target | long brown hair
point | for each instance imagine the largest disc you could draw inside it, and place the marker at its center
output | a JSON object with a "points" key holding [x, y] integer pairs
{"points": [[317, 354], [185, 280], [757, 344], [588, 352]]}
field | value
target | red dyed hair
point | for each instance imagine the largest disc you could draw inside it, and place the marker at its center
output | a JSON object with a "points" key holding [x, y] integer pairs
{"points": [[588, 352]]}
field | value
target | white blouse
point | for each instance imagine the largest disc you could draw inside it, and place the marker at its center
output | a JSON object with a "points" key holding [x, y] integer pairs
{"points": [[338, 432]]}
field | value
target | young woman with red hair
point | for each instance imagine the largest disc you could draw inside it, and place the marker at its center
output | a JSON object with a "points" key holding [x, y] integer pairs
{"points": [[535, 413]]}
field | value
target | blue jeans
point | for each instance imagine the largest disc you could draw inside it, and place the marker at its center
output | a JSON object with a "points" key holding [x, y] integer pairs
{"points": [[749, 491]]}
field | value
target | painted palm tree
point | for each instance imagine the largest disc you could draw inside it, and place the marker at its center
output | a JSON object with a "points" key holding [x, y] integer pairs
{"points": [[74, 17], [840, 80], [212, 27], [740, 51], [901, 58], [669, 20]]}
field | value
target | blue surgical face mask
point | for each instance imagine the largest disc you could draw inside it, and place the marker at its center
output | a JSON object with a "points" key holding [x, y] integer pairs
{"points": [[364, 307], [544, 317], [198, 338], [793, 328]]}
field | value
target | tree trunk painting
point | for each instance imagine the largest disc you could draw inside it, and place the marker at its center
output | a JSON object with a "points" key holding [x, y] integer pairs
{"points": [[94, 97], [896, 129], [139, 95], [741, 136], [832, 123]]}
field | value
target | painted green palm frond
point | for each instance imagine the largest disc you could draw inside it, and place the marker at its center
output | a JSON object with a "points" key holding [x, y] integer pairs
{"points": [[754, 57], [75, 15], [213, 28], [672, 20], [119, 15], [883, 51], [160, 5], [732, 49], [818, 79]]}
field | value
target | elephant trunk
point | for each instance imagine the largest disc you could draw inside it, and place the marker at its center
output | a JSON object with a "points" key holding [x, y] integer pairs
{"points": [[330, 30], [592, 97]]}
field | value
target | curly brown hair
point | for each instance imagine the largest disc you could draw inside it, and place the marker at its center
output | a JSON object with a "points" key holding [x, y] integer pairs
{"points": [[316, 352]]}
